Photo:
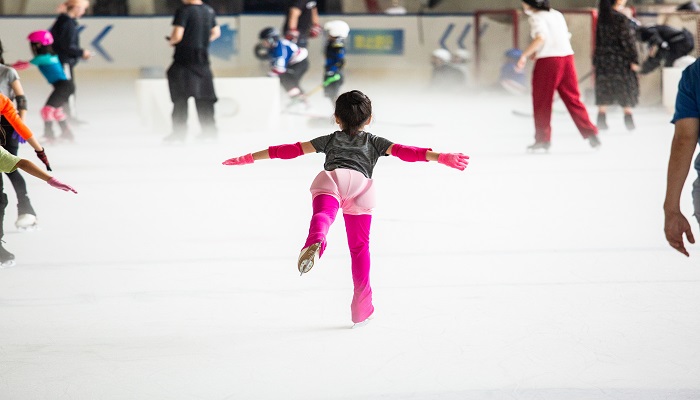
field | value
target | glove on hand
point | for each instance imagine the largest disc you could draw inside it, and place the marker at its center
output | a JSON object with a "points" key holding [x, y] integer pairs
{"points": [[42, 156], [242, 160], [454, 160], [21, 65], [60, 185], [292, 35], [316, 31]]}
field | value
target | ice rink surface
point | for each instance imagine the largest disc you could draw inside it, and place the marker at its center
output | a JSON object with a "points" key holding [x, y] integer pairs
{"points": [[527, 276]]}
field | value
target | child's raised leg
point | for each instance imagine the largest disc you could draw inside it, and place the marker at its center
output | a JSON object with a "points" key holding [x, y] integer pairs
{"points": [[325, 208], [357, 228]]}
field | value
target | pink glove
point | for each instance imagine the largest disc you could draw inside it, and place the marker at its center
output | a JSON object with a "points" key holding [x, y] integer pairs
{"points": [[316, 31], [242, 160], [20, 65], [454, 160], [60, 185]]}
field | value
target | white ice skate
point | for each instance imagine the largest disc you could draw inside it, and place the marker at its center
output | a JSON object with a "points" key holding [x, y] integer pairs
{"points": [[26, 222], [308, 257], [362, 323]]}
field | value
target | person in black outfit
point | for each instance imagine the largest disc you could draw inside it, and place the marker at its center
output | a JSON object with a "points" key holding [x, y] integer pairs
{"points": [[194, 26], [66, 43], [666, 45], [302, 22]]}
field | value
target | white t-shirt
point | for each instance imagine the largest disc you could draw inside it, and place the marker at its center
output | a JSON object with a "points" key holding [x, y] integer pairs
{"points": [[551, 26]]}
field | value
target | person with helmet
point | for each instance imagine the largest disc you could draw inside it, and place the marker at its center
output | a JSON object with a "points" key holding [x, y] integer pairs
{"points": [[302, 22], [336, 33], [287, 60], [66, 42], [50, 66], [190, 75], [445, 76]]}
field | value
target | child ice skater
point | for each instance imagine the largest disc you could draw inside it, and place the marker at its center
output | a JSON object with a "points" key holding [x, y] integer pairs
{"points": [[346, 182], [336, 31], [10, 162], [63, 88], [287, 60]]}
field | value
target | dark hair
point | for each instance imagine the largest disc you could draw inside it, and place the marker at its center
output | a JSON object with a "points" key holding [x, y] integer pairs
{"points": [[605, 11], [38, 48], [542, 5], [2, 59], [353, 109]]}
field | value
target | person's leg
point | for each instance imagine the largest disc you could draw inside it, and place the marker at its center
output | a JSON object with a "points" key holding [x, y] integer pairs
{"points": [[205, 112], [571, 96], [179, 118], [177, 83], [5, 256], [325, 208], [696, 199], [24, 205], [544, 81], [358, 228]]}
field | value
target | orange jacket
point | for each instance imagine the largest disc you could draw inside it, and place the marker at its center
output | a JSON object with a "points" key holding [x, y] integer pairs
{"points": [[7, 108]]}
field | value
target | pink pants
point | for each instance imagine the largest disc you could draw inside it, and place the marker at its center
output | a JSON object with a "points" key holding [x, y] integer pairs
{"points": [[353, 192], [557, 74]]}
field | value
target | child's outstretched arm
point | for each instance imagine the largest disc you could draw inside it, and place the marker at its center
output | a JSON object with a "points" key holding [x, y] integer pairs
{"points": [[284, 151], [32, 169], [412, 154]]}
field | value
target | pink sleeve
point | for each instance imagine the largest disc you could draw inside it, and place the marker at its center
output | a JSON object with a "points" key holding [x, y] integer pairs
{"points": [[286, 151], [409, 153]]}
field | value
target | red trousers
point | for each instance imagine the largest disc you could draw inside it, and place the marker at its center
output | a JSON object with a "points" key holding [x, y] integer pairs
{"points": [[557, 74]]}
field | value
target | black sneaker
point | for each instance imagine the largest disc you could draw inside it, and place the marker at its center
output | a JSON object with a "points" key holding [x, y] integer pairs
{"points": [[594, 141], [539, 145], [602, 123], [629, 122]]}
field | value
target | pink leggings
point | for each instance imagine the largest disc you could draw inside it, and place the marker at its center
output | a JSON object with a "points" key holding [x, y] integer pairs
{"points": [[357, 226]]}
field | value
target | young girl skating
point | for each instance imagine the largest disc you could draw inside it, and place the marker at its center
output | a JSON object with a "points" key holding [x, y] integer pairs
{"points": [[351, 154]]}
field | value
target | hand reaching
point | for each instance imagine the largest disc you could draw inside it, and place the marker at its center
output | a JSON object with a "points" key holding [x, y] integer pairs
{"points": [[242, 160], [60, 185], [316, 31], [42, 156], [292, 35], [454, 160], [21, 65]]}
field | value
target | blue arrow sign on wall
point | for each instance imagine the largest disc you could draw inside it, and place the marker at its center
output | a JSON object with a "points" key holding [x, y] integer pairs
{"points": [[98, 47]]}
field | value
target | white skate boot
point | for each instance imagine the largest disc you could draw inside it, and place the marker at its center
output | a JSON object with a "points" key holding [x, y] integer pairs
{"points": [[26, 222], [308, 257]]}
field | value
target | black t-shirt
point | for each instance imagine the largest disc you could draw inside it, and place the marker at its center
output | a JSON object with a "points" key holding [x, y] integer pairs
{"points": [[198, 20], [304, 23], [359, 152]]}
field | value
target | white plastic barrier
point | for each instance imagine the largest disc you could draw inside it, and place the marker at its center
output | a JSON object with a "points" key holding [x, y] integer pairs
{"points": [[245, 104], [669, 82]]}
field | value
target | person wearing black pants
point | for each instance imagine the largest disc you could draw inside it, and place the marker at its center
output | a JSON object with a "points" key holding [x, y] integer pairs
{"points": [[11, 144], [194, 27]]}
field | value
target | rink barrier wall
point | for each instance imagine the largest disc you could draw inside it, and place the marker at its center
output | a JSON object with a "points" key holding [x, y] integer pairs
{"points": [[250, 104]]}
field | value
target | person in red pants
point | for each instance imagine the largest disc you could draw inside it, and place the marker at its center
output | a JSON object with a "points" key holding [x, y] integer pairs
{"points": [[346, 183], [554, 71]]}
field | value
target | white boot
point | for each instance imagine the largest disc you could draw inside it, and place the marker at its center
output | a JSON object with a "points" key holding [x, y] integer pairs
{"points": [[26, 222], [308, 257]]}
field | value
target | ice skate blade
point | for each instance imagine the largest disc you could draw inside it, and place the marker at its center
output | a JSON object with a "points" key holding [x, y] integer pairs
{"points": [[31, 228], [362, 323], [8, 264]]}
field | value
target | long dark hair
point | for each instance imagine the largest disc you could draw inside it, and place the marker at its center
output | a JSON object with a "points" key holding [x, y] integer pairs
{"points": [[353, 109], [605, 11], [2, 59]]}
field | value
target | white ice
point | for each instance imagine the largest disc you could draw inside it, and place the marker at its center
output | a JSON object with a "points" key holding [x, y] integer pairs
{"points": [[527, 276]]}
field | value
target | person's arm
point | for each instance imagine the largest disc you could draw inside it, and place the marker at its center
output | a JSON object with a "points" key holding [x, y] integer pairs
{"points": [[685, 138], [20, 98], [293, 24], [531, 49], [316, 28], [32, 169], [284, 151], [412, 154], [176, 35], [214, 33]]}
